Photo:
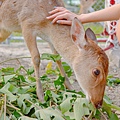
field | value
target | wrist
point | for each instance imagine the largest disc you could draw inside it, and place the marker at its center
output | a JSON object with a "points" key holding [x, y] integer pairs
{"points": [[81, 18]]}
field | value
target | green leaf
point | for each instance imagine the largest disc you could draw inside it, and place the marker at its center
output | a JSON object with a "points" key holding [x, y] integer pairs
{"points": [[19, 69], [26, 118], [59, 83], [13, 117], [5, 90], [31, 90], [2, 117], [44, 78], [106, 108], [69, 116], [113, 117], [8, 77], [67, 69], [111, 81], [55, 96], [21, 78], [66, 105], [22, 90], [16, 114], [48, 95], [107, 99], [30, 71], [44, 114], [21, 99], [22, 103], [71, 94], [32, 78], [7, 71], [53, 57], [47, 114], [80, 108], [13, 89]]}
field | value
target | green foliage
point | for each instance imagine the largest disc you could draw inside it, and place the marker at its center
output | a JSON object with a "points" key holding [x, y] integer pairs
{"points": [[18, 100], [53, 57], [112, 81], [93, 27]]}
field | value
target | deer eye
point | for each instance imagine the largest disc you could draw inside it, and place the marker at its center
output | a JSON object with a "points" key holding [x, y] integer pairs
{"points": [[96, 72]]}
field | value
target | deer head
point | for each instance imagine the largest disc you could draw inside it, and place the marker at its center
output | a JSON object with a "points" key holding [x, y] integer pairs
{"points": [[91, 64]]}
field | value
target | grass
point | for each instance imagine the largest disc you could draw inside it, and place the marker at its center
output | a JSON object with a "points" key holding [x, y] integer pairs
{"points": [[96, 27]]}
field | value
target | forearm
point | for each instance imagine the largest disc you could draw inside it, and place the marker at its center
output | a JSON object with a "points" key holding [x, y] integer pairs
{"points": [[108, 14]]}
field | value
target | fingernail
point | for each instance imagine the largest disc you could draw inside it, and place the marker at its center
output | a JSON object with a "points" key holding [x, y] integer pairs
{"points": [[55, 7], [49, 12], [58, 22]]}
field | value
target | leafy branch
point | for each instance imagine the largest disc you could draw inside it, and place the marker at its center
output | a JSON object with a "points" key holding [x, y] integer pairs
{"points": [[18, 100]]}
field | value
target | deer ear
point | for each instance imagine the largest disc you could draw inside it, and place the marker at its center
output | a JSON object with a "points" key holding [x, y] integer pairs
{"points": [[78, 33], [90, 35]]}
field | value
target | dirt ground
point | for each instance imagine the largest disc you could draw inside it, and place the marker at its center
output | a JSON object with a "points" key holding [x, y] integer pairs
{"points": [[16, 50]]}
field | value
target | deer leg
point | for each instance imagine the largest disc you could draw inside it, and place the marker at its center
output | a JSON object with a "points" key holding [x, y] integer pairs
{"points": [[62, 71], [67, 83], [3, 35], [30, 40]]}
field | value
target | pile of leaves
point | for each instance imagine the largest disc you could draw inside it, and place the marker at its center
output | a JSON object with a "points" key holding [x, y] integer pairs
{"points": [[18, 100]]}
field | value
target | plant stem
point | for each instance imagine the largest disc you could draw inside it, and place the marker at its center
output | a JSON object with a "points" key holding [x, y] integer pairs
{"points": [[1, 111], [12, 106], [102, 114], [5, 107], [114, 107], [90, 116], [33, 104], [13, 59]]}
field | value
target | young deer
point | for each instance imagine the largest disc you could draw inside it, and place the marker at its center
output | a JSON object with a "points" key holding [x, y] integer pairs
{"points": [[85, 5], [88, 60]]}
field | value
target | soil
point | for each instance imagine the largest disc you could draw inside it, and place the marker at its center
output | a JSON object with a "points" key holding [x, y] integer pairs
{"points": [[17, 50]]}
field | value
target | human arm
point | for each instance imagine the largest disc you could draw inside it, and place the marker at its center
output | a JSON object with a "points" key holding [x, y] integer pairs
{"points": [[63, 16], [107, 14]]}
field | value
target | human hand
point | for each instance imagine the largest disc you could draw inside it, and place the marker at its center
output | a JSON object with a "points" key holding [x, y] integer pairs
{"points": [[61, 15]]}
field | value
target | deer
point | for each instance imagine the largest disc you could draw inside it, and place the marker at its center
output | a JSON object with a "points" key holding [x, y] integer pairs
{"points": [[88, 61], [85, 5]]}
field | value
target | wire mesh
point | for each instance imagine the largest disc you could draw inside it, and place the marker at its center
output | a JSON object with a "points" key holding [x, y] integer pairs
{"points": [[75, 6]]}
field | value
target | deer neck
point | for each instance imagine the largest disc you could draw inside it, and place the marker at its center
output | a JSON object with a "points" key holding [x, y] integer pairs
{"points": [[62, 42], [83, 10]]}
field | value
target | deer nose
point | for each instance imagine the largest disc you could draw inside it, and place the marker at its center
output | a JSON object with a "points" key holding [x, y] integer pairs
{"points": [[98, 105]]}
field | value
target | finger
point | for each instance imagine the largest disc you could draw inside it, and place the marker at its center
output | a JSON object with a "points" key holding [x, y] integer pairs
{"points": [[59, 17], [64, 22], [56, 15], [54, 11], [57, 9]]}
